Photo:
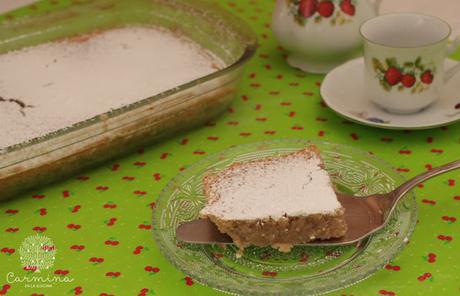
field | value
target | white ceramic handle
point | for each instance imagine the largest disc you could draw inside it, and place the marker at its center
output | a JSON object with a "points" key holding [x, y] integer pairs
{"points": [[451, 48], [376, 4]]}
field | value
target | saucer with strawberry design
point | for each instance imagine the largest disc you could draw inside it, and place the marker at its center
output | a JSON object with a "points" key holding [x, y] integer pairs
{"points": [[343, 91]]}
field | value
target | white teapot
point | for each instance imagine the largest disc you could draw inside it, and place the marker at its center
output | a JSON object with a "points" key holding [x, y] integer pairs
{"points": [[321, 34]]}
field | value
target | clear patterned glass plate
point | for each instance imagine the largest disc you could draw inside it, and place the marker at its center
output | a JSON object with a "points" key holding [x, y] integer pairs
{"points": [[305, 270]]}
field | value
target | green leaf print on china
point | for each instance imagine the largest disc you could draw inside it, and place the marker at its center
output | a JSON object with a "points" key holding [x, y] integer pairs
{"points": [[413, 75], [337, 12]]}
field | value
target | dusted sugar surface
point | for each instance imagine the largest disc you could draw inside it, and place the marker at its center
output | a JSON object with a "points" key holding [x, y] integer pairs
{"points": [[286, 186], [55, 85]]}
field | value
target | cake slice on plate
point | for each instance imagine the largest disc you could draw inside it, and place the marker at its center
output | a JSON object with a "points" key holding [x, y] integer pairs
{"points": [[276, 201]]}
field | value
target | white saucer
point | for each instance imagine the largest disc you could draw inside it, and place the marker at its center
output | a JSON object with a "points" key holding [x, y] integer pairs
{"points": [[343, 91]]}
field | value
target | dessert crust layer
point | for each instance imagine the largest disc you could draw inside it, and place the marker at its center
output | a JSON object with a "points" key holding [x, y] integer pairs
{"points": [[283, 234]]}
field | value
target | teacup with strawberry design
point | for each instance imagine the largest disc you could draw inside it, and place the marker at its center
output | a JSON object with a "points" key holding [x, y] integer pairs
{"points": [[404, 57]]}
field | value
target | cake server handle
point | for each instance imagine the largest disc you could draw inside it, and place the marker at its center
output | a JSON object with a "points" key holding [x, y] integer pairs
{"points": [[405, 187]]}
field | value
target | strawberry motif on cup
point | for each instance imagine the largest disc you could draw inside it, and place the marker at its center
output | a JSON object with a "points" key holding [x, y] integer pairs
{"points": [[347, 7], [326, 8], [408, 80], [427, 77], [393, 76], [337, 12], [307, 7], [413, 76]]}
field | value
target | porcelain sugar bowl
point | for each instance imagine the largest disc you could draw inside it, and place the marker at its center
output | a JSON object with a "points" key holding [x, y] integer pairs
{"points": [[321, 34]]}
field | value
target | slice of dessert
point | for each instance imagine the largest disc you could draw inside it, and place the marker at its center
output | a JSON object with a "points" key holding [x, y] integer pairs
{"points": [[276, 201]]}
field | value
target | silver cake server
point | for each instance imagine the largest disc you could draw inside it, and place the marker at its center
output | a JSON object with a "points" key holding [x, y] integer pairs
{"points": [[364, 215]]}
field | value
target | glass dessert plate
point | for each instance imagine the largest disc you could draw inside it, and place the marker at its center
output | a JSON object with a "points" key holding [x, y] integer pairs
{"points": [[118, 131], [265, 271]]}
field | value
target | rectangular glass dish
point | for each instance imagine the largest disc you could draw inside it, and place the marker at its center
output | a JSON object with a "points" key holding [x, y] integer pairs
{"points": [[66, 151]]}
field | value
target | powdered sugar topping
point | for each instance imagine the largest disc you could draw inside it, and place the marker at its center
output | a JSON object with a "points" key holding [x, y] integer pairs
{"points": [[286, 186], [65, 82]]}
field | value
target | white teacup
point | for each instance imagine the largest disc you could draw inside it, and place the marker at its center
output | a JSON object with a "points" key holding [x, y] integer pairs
{"points": [[404, 60]]}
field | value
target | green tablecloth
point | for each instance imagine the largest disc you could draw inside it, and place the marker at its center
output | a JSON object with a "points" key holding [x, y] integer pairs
{"points": [[85, 216]]}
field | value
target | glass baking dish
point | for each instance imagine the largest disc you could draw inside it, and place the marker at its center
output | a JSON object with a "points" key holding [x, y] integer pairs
{"points": [[107, 135]]}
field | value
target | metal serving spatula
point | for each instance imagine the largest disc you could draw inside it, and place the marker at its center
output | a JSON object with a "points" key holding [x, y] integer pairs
{"points": [[364, 215]]}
